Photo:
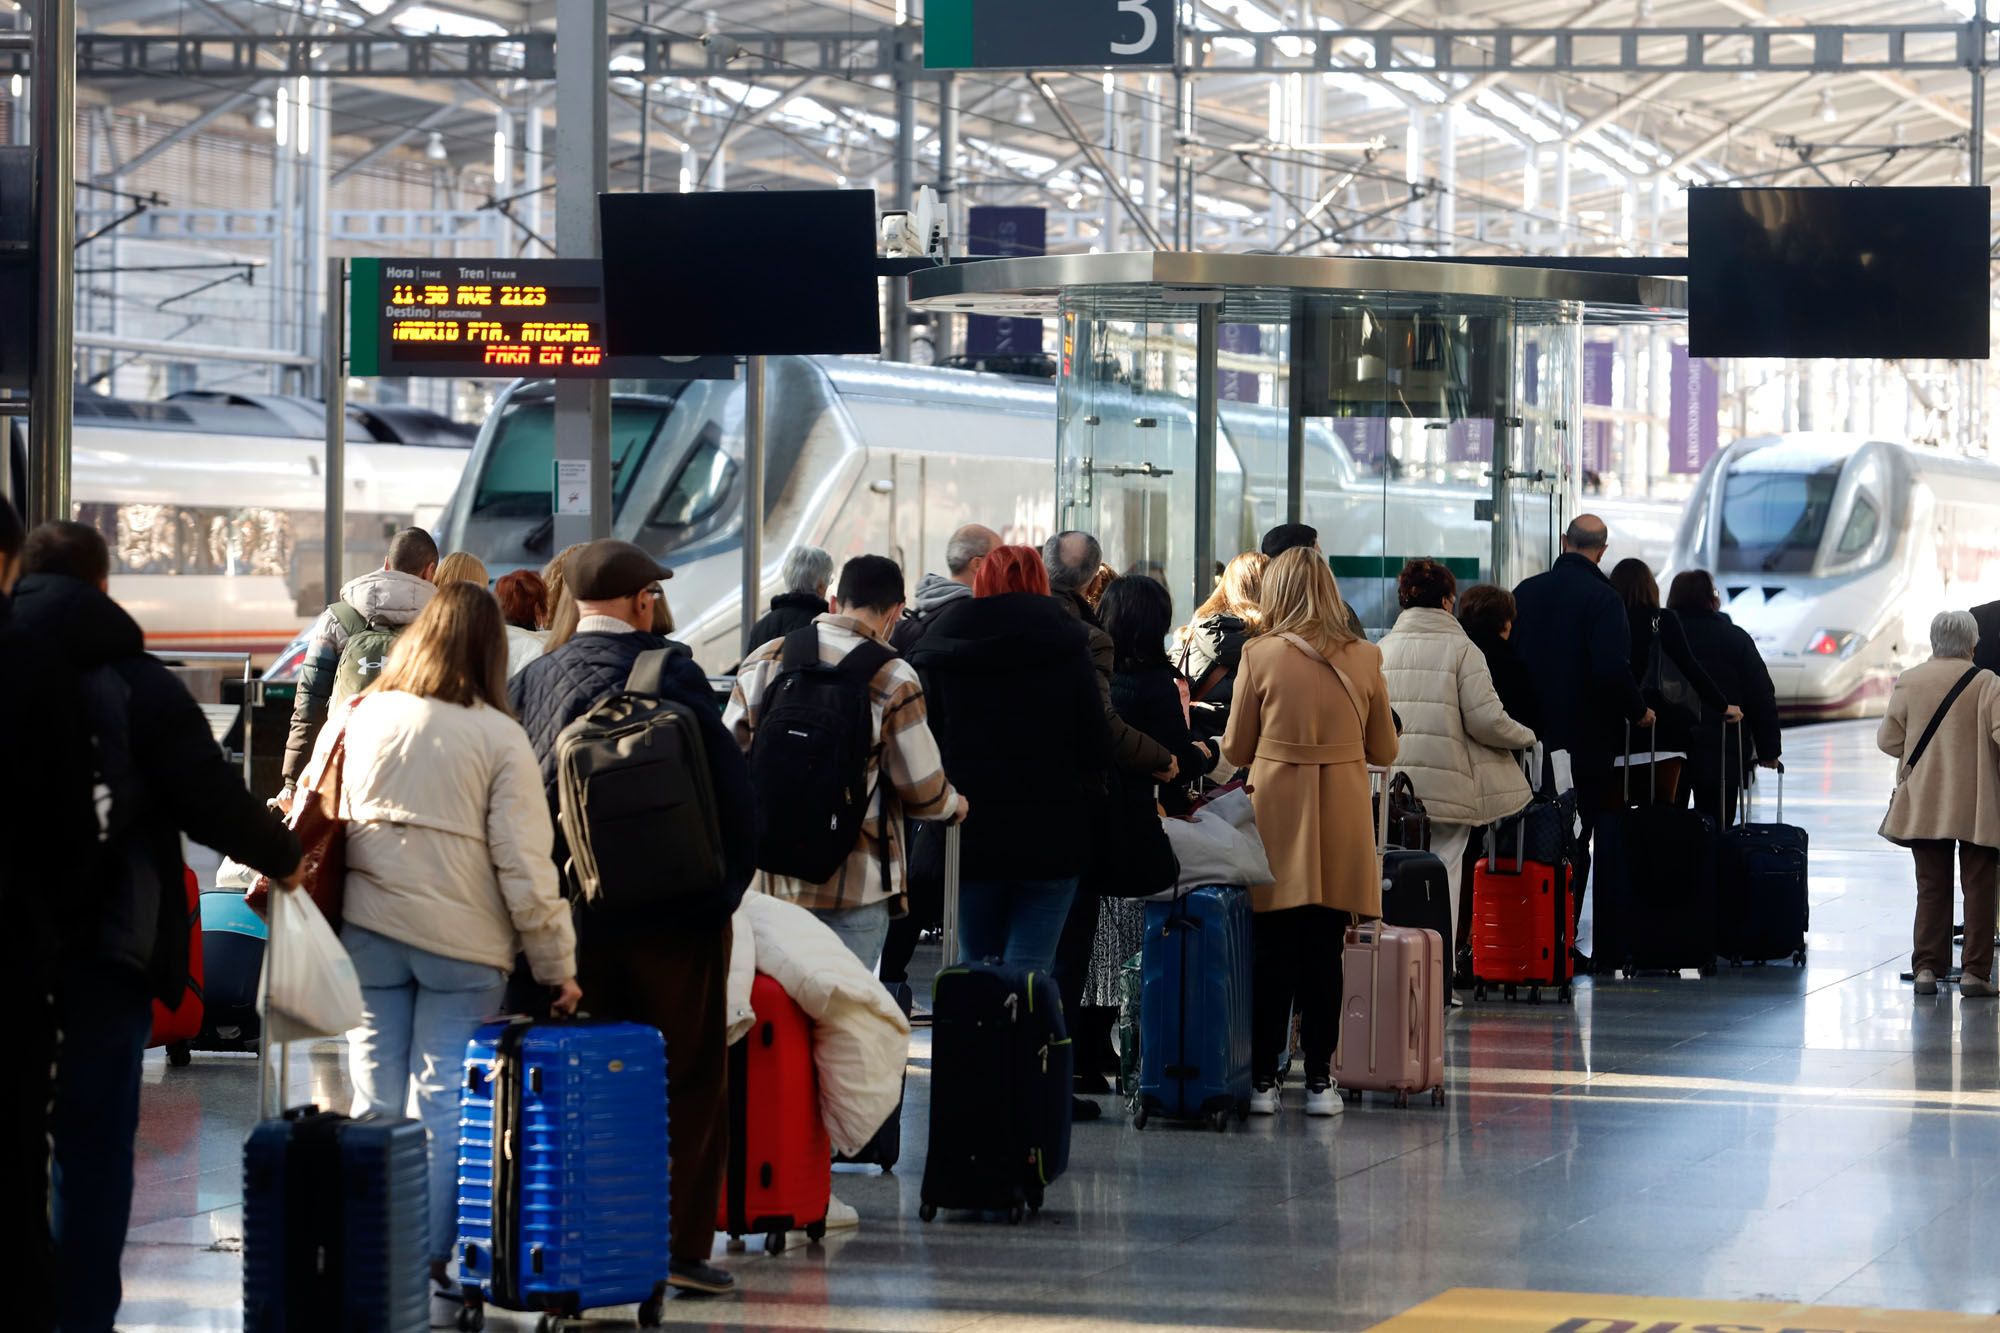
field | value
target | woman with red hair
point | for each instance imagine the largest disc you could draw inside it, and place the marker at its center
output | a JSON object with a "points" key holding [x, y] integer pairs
{"points": [[1013, 702], [524, 603]]}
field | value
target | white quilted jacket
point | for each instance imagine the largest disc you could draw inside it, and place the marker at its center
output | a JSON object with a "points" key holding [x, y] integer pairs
{"points": [[1457, 738]]}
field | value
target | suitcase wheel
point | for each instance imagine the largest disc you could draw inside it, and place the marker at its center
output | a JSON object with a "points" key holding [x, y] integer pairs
{"points": [[179, 1054], [1534, 995], [817, 1231], [1015, 1214], [774, 1242], [1437, 1096], [1567, 995], [927, 1212], [1139, 1118], [653, 1310], [1479, 990], [1354, 1095], [549, 1323], [472, 1318], [1402, 1100], [1219, 1121], [1799, 958]]}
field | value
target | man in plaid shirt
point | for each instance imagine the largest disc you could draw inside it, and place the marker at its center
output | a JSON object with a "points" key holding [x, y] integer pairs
{"points": [[856, 902]]}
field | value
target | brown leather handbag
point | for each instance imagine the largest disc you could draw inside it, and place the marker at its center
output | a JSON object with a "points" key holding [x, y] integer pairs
{"points": [[322, 842]]}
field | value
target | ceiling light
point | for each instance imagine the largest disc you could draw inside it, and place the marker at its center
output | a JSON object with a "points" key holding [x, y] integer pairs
{"points": [[1828, 112], [435, 149], [262, 118], [281, 121], [14, 85], [1024, 111]]}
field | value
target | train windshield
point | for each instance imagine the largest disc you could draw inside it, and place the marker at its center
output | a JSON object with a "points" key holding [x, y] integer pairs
{"points": [[1772, 522], [517, 481]]}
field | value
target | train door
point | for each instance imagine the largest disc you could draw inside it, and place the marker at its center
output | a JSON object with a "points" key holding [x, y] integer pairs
{"points": [[1536, 451]]}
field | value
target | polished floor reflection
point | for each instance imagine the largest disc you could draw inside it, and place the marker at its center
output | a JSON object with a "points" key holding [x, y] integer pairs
{"points": [[1815, 1134]]}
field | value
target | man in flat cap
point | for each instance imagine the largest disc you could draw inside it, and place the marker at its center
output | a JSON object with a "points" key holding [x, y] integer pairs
{"points": [[669, 971]]}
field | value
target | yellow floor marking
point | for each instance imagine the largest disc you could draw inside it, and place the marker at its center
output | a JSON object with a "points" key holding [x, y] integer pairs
{"points": [[1481, 1310]]}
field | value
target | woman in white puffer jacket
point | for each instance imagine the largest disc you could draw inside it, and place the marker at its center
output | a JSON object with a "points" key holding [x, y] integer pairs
{"points": [[1456, 734]]}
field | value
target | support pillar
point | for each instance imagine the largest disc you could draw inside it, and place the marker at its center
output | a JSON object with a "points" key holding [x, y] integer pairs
{"points": [[53, 388], [1295, 418], [753, 499], [898, 343], [333, 376], [583, 407], [1207, 387]]}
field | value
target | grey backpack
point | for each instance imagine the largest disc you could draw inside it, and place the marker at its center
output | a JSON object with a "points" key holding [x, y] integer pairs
{"points": [[636, 800], [363, 656]]}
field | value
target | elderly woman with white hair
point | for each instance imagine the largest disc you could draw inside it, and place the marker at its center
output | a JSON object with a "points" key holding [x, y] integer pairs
{"points": [[1941, 728], [808, 573]]}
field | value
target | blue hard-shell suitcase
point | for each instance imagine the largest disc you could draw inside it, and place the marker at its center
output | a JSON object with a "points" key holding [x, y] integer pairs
{"points": [[562, 1168], [335, 1212], [1194, 1009], [233, 939]]}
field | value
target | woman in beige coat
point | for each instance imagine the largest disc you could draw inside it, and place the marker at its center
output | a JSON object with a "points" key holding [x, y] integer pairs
{"points": [[1949, 795], [1310, 713], [1457, 738]]}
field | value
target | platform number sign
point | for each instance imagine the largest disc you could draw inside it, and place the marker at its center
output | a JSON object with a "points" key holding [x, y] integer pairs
{"points": [[1048, 34]]}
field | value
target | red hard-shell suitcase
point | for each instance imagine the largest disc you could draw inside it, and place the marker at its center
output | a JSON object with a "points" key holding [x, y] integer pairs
{"points": [[780, 1172], [1391, 1013], [174, 1028], [1523, 923]]}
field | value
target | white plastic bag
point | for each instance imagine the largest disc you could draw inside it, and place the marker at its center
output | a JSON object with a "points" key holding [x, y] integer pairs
{"points": [[309, 988], [1219, 845]]}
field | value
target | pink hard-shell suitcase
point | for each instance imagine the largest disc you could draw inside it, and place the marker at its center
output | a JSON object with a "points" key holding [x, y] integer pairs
{"points": [[1391, 1013]]}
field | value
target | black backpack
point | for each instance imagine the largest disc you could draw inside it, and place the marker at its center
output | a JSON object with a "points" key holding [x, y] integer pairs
{"points": [[636, 799], [809, 761]]}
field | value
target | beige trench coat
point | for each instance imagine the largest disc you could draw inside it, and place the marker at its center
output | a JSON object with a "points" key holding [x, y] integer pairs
{"points": [[1955, 792], [1308, 749]]}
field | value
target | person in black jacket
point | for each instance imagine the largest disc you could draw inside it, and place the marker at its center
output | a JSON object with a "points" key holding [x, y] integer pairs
{"points": [[1572, 637], [1130, 854], [1487, 614], [1718, 768], [672, 972], [808, 573], [1014, 705], [121, 926], [1658, 640], [1987, 654]]}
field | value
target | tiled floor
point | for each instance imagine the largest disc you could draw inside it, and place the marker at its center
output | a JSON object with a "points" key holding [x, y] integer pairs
{"points": [[1816, 1134]]}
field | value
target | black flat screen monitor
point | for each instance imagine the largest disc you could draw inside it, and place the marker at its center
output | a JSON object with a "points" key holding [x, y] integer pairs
{"points": [[1839, 272], [756, 273]]}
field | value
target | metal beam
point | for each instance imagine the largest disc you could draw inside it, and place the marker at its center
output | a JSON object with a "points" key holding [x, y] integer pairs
{"points": [[1097, 163], [193, 127], [390, 145]]}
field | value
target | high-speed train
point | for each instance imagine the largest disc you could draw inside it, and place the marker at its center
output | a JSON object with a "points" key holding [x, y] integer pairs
{"points": [[863, 456], [1834, 552], [213, 505]]}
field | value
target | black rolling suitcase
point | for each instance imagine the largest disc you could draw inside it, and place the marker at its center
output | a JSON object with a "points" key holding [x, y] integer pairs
{"points": [[1652, 888], [1416, 892], [1761, 873], [1001, 1067], [336, 1214]]}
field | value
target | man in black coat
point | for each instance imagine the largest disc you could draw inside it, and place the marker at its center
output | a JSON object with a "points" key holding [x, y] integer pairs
{"points": [[672, 972], [1987, 654], [120, 927], [1571, 633]]}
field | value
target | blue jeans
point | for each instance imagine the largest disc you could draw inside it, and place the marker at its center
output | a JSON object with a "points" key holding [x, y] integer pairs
{"points": [[105, 1016], [862, 929], [419, 1009], [1016, 920]]}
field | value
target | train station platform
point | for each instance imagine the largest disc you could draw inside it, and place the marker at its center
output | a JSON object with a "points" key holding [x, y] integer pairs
{"points": [[1773, 1134]]}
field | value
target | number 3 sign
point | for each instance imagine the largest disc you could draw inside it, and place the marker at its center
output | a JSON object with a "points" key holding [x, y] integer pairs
{"points": [[1049, 34]]}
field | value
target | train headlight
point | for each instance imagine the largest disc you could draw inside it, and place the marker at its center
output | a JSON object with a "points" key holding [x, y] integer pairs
{"points": [[1832, 643]]}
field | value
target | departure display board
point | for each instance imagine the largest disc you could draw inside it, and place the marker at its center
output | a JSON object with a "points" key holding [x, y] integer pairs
{"points": [[484, 319], [1049, 34]]}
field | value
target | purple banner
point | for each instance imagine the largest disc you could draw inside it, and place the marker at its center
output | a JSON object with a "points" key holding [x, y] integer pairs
{"points": [[1599, 379], [1694, 417], [1469, 441], [1240, 386], [1003, 232]]}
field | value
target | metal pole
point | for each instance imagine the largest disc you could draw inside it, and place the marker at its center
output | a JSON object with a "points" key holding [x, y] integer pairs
{"points": [[948, 149], [53, 385], [1976, 136], [1295, 419], [753, 496], [1208, 338], [333, 378], [906, 189], [583, 408]]}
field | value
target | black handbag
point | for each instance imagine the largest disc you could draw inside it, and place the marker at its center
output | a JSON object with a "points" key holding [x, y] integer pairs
{"points": [[1666, 688]]}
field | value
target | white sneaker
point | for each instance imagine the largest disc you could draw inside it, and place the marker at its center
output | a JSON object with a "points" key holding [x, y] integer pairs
{"points": [[1974, 987], [1323, 1100], [840, 1216], [1264, 1099], [1926, 982]]}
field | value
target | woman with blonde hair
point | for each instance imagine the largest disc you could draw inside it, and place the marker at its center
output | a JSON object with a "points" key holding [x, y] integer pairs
{"points": [[562, 603], [1208, 648], [462, 567], [1310, 714], [448, 871]]}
